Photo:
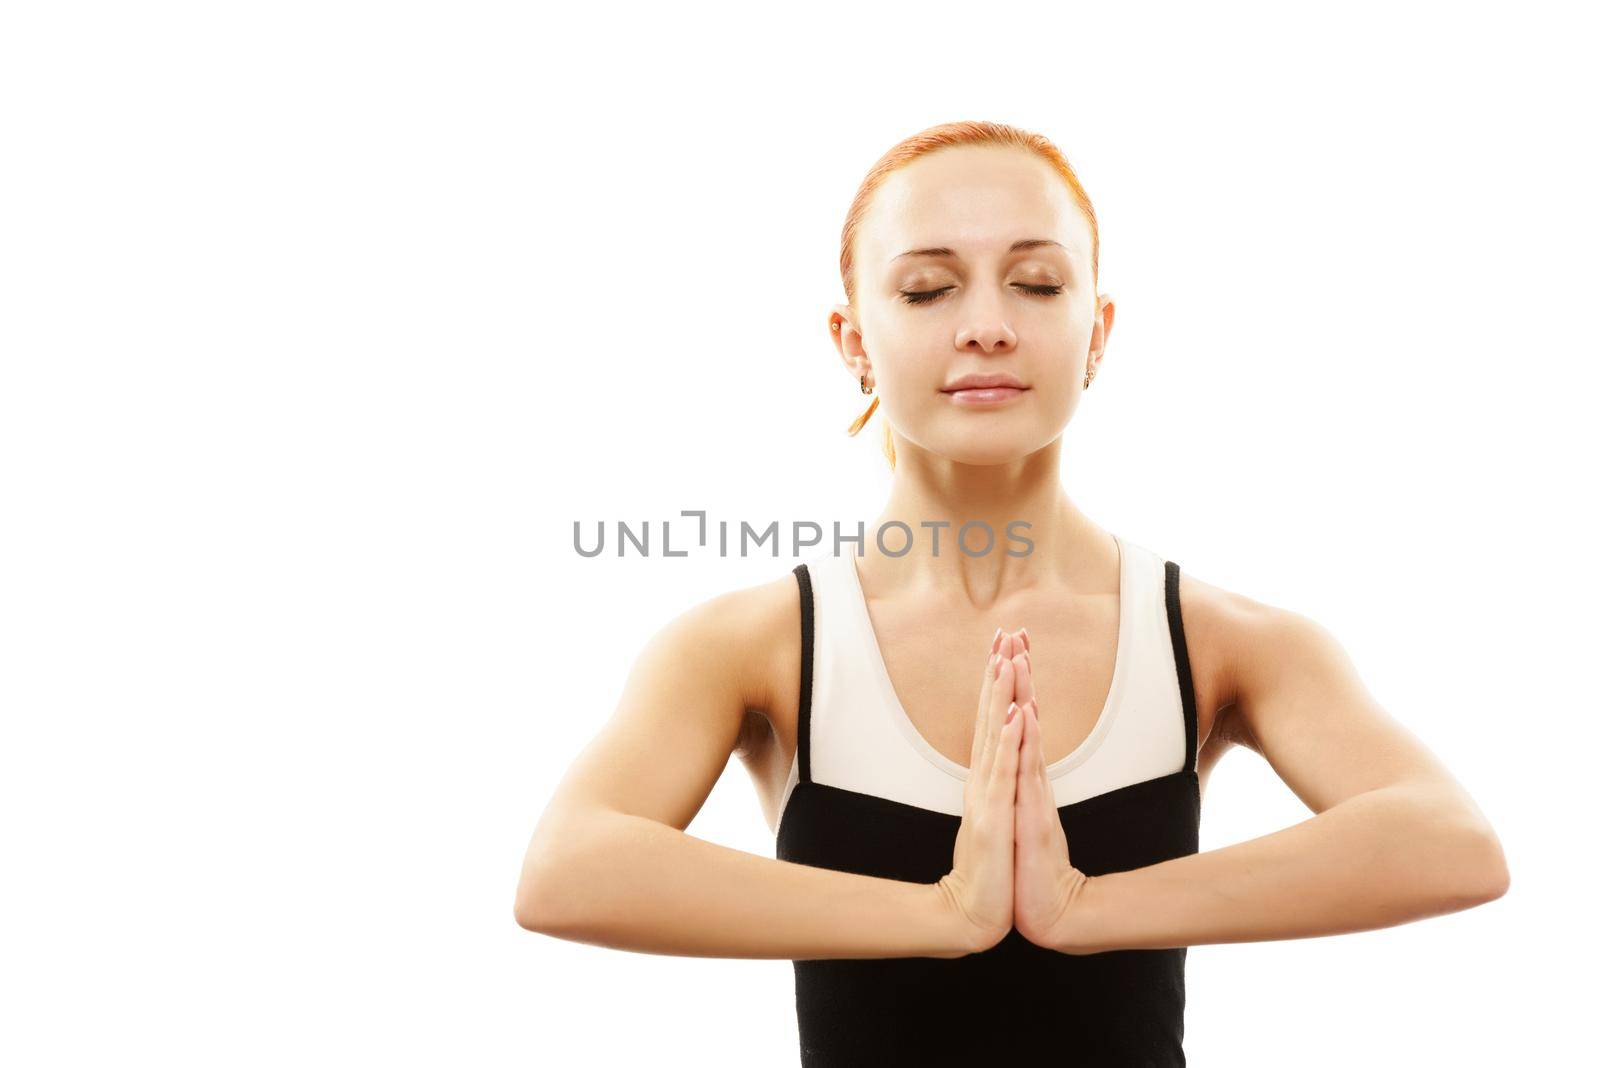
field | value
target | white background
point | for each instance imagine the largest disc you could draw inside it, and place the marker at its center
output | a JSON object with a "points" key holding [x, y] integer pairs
{"points": [[322, 323]]}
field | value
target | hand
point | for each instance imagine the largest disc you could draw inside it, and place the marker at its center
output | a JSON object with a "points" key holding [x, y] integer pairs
{"points": [[978, 888], [1048, 889]]}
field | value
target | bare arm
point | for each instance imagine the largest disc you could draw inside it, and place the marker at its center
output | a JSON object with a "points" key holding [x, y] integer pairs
{"points": [[1395, 838], [610, 863]]}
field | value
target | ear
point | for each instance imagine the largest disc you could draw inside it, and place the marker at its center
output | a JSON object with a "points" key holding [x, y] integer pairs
{"points": [[1105, 313], [847, 340]]}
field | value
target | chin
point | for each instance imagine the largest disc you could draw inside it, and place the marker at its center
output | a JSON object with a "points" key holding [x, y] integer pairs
{"points": [[986, 453]]}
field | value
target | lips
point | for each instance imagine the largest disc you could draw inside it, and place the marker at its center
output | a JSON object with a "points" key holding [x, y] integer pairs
{"points": [[992, 380], [985, 396]]}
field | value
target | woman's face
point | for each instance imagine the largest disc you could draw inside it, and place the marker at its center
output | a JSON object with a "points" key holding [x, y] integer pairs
{"points": [[942, 294]]}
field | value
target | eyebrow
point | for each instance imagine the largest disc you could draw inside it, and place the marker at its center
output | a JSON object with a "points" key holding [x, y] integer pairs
{"points": [[1032, 242]]}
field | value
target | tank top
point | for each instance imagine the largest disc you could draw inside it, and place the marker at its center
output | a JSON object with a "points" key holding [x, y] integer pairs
{"points": [[868, 794]]}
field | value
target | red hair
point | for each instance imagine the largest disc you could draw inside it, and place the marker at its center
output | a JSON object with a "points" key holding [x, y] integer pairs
{"points": [[949, 135]]}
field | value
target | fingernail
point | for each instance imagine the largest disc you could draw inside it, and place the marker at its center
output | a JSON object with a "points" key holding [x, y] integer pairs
{"points": [[1011, 711], [994, 643]]}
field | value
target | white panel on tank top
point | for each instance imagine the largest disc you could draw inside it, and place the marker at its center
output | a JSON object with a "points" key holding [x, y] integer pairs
{"points": [[861, 739]]}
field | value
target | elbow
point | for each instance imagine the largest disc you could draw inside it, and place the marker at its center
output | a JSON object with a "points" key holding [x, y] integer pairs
{"points": [[538, 896], [1462, 855], [526, 912], [552, 895], [1477, 871], [1493, 875]]}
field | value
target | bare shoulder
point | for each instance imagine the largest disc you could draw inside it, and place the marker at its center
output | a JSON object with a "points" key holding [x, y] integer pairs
{"points": [[739, 626], [757, 628], [686, 705], [1292, 693], [1220, 626], [772, 614], [1238, 642]]}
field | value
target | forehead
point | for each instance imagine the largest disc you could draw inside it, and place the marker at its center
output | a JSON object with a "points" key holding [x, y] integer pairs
{"points": [[975, 200]]}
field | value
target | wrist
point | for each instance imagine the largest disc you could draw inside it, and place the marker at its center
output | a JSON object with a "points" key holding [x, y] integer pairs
{"points": [[1085, 924], [952, 931]]}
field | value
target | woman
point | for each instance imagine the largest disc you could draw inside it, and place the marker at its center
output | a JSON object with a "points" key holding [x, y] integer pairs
{"points": [[977, 853]]}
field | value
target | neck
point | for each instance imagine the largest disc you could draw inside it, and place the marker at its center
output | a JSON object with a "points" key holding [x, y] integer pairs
{"points": [[1067, 547]]}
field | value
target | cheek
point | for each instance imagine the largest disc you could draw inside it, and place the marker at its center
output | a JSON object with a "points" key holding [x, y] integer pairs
{"points": [[901, 371], [1056, 395]]}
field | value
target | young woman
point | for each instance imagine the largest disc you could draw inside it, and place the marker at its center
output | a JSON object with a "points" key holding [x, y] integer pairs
{"points": [[978, 852]]}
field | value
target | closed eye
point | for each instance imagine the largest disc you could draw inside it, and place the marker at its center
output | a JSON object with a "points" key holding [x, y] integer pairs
{"points": [[927, 296]]}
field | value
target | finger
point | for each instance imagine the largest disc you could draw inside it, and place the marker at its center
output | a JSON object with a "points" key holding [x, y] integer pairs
{"points": [[1002, 691], [1039, 784], [1051, 827], [1037, 772], [1000, 698], [1038, 752], [1001, 695], [1027, 792], [1003, 776], [1024, 665], [1008, 650]]}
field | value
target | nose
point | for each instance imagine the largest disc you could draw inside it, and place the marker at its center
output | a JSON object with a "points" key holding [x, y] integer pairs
{"points": [[987, 336]]}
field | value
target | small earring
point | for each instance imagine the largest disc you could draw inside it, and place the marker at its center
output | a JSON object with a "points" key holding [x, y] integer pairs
{"points": [[1087, 379], [864, 387]]}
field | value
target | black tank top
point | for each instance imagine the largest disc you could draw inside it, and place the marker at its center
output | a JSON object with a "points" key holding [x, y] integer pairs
{"points": [[880, 806]]}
